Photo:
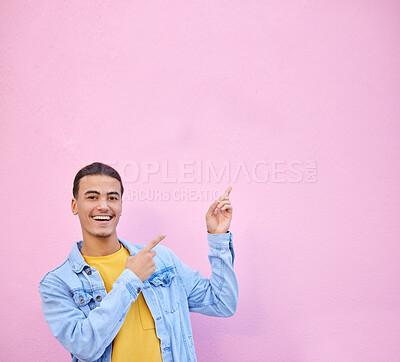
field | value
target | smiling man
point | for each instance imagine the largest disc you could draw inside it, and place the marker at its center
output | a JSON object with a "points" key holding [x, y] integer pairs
{"points": [[112, 300]]}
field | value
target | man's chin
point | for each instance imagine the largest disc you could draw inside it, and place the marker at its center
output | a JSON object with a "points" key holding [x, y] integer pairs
{"points": [[102, 234]]}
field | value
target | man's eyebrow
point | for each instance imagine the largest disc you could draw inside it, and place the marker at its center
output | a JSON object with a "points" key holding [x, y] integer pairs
{"points": [[98, 193], [92, 192], [113, 193]]}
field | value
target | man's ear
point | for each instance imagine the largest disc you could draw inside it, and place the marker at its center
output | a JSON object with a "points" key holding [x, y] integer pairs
{"points": [[74, 207]]}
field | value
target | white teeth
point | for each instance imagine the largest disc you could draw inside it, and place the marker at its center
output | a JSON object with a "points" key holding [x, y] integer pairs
{"points": [[102, 217]]}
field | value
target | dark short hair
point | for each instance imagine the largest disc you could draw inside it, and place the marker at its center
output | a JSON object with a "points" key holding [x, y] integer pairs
{"points": [[96, 168]]}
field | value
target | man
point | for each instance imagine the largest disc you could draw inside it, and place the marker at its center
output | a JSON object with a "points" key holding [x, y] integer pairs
{"points": [[112, 300]]}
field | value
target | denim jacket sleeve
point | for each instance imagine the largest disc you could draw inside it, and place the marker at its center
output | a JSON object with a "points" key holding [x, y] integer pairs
{"points": [[87, 337], [217, 296]]}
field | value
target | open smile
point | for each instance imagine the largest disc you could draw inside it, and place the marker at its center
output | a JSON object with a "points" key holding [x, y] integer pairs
{"points": [[102, 219]]}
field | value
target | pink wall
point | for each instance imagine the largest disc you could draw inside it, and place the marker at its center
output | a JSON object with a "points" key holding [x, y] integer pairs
{"points": [[260, 84]]}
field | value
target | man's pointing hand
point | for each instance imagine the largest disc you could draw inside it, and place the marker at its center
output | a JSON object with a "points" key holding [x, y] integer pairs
{"points": [[142, 264], [219, 215]]}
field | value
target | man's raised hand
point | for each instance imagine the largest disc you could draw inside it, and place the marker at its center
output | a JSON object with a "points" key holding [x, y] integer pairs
{"points": [[142, 264], [219, 215]]}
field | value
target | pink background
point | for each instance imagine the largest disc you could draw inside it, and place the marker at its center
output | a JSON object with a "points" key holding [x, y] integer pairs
{"points": [[238, 81]]}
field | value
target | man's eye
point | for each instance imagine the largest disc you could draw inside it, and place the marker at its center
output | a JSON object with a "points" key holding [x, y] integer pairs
{"points": [[91, 197], [113, 198]]}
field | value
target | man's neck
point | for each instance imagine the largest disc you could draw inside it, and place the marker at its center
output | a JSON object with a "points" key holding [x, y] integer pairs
{"points": [[100, 246]]}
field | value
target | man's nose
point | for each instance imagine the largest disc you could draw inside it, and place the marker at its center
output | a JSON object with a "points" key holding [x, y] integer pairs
{"points": [[103, 204]]}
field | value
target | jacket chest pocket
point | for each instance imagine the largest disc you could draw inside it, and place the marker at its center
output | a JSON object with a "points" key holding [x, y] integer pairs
{"points": [[165, 285], [84, 301]]}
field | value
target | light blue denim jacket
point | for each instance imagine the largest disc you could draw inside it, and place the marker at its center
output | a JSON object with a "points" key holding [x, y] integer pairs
{"points": [[85, 319]]}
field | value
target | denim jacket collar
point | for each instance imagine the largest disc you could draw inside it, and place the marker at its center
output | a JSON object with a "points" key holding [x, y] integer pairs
{"points": [[78, 262]]}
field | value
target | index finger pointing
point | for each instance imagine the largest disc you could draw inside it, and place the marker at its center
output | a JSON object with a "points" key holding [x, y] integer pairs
{"points": [[227, 192], [153, 243]]}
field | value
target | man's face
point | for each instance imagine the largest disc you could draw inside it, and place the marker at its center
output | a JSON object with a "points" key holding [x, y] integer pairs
{"points": [[98, 206]]}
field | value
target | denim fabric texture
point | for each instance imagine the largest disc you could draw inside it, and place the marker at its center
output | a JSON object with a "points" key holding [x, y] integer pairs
{"points": [[85, 319]]}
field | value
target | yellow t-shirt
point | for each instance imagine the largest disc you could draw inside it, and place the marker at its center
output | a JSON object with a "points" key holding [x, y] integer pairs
{"points": [[137, 339]]}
